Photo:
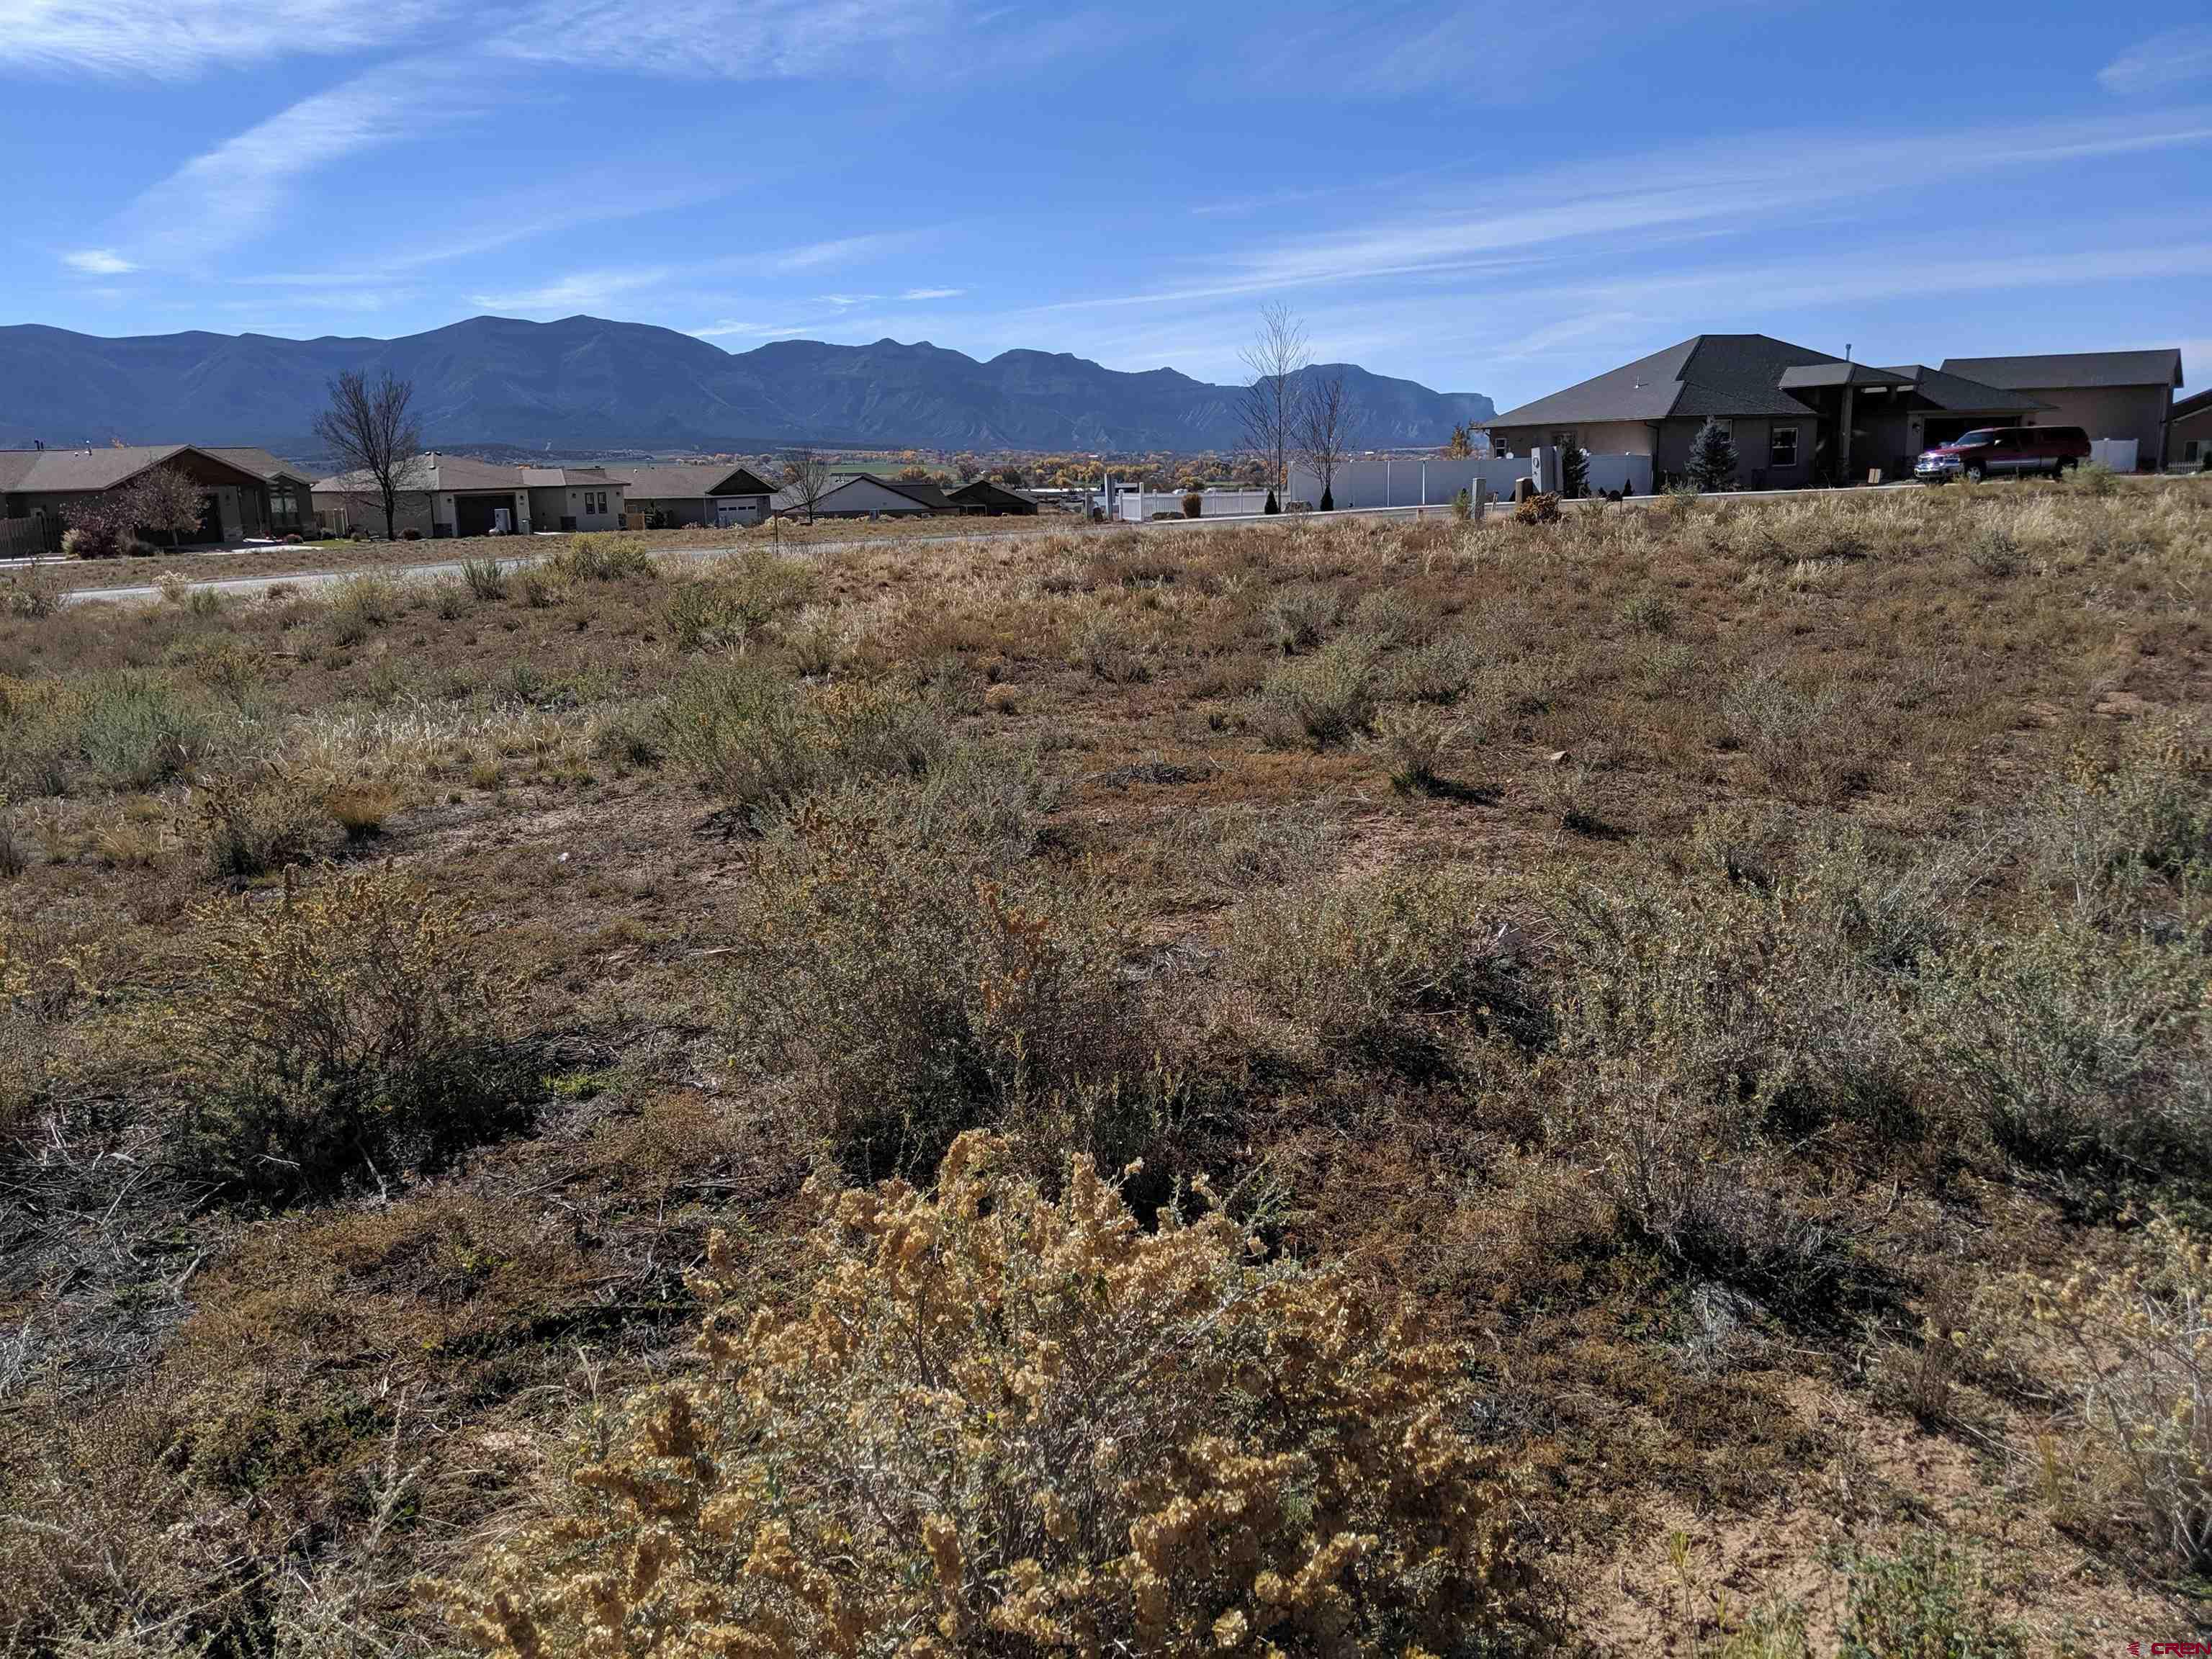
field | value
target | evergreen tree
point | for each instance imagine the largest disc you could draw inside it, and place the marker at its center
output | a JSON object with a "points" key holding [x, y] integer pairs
{"points": [[1273, 506], [1574, 470], [1713, 457]]}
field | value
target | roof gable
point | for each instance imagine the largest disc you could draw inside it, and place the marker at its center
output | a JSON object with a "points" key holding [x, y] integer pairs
{"points": [[89, 471], [1720, 374]]}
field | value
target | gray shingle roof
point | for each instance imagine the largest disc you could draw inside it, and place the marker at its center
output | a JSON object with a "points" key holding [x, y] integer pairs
{"points": [[685, 483], [65, 471], [1956, 395], [38, 471], [259, 462], [2071, 370], [465, 472], [2192, 404], [1722, 375], [1807, 377]]}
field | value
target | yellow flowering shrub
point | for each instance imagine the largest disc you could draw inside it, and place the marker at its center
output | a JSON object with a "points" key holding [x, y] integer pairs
{"points": [[1008, 1424]]}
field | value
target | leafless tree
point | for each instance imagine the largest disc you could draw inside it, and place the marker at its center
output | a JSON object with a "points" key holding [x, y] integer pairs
{"points": [[368, 430], [1269, 410], [166, 500], [162, 499], [806, 478], [1328, 419]]}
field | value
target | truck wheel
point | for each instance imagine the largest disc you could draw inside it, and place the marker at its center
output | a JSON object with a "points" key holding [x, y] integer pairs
{"points": [[1976, 473]]}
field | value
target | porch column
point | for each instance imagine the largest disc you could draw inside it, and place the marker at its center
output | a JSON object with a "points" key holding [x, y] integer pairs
{"points": [[1843, 439]]}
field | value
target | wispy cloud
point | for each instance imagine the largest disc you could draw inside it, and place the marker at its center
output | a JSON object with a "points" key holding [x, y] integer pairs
{"points": [[846, 301], [2172, 60], [227, 196], [1610, 203], [582, 290], [932, 294], [724, 39], [172, 39], [98, 261], [839, 251]]}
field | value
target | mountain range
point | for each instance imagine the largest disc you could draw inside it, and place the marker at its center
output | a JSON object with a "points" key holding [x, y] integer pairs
{"points": [[585, 384]]}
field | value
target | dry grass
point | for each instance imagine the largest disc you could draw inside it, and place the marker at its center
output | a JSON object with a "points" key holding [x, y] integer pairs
{"points": [[1786, 921]]}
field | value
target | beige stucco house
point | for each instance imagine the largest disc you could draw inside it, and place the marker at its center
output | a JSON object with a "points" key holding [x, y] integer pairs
{"points": [[575, 497], [455, 495], [2109, 394], [1797, 417]]}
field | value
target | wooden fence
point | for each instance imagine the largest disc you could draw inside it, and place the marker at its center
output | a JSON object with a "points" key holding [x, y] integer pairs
{"points": [[24, 538]]}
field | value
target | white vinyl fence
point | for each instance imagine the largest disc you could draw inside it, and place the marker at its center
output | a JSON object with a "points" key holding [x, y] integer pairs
{"points": [[1434, 480]]}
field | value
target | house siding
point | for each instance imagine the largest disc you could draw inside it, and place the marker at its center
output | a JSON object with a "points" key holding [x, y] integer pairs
{"points": [[2112, 411], [702, 511], [2194, 428], [364, 514]]}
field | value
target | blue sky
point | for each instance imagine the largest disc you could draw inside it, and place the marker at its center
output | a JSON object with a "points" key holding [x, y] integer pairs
{"points": [[1498, 199]]}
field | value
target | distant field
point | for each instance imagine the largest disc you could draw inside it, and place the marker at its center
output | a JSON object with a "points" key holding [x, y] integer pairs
{"points": [[1689, 1012]]}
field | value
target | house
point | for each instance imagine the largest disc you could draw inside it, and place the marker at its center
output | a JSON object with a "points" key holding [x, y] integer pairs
{"points": [[1797, 417], [2189, 432], [291, 510], [439, 495], [992, 501], [39, 487], [443, 496], [2109, 394], [716, 496], [575, 497], [865, 497]]}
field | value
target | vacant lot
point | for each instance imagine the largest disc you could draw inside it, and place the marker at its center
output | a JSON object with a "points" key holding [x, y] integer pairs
{"points": [[1659, 1063]]}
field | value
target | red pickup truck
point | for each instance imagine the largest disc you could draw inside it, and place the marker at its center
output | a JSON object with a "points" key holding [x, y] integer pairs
{"points": [[1996, 452]]}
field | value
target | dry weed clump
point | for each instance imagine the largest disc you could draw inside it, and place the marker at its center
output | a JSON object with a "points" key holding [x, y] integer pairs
{"points": [[1329, 696], [736, 604], [1414, 740], [904, 995], [1365, 964], [1000, 1422], [348, 1030], [1807, 742], [256, 823], [127, 728], [758, 740], [2124, 1353], [598, 558]]}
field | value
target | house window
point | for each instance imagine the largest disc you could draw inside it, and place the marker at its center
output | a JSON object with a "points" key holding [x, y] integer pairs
{"points": [[1563, 440], [1782, 447]]}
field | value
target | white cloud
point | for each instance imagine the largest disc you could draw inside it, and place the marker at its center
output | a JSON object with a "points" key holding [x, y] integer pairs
{"points": [[582, 290], [226, 197], [98, 261], [170, 39], [2171, 59], [846, 301], [809, 255], [932, 294], [733, 39]]}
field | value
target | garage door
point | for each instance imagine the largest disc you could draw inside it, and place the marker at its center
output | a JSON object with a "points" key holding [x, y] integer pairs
{"points": [[473, 514], [727, 513]]}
